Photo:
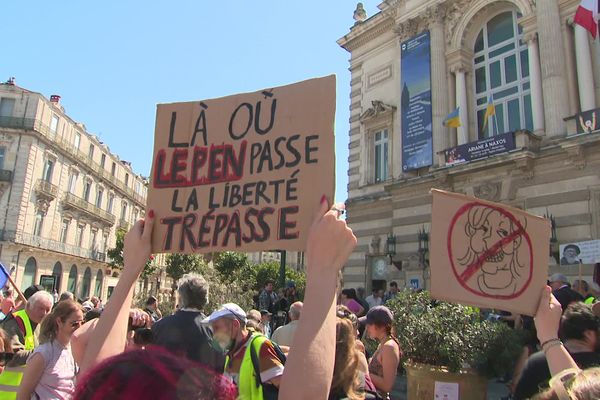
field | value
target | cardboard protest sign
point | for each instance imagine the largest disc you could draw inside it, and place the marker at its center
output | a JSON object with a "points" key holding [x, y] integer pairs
{"points": [[244, 172], [487, 254]]}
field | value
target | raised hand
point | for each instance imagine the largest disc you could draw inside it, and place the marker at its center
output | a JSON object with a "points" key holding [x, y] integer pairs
{"points": [[138, 245], [330, 240], [547, 317]]}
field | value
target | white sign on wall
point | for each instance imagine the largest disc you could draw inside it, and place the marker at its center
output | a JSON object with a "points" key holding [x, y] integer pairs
{"points": [[580, 252]]}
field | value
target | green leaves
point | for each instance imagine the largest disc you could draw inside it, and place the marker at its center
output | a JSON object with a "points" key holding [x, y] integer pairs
{"points": [[115, 256], [452, 335]]}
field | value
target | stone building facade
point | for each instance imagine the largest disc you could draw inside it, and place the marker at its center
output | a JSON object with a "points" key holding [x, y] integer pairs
{"points": [[63, 195], [540, 68]]}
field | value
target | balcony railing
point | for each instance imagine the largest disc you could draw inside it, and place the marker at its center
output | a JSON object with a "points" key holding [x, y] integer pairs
{"points": [[46, 188], [78, 155], [79, 204], [52, 245], [5, 175]]}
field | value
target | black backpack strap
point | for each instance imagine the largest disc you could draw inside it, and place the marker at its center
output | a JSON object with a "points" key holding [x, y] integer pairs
{"points": [[255, 361]]}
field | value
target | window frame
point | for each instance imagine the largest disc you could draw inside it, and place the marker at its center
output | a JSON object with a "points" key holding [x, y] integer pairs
{"points": [[500, 123], [384, 143]]}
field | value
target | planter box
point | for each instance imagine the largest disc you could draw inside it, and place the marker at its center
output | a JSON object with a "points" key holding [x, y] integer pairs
{"points": [[422, 377]]}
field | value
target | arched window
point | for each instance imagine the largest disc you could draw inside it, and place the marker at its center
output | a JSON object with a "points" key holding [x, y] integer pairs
{"points": [[30, 273], [99, 281], [57, 274], [72, 281], [86, 283], [501, 65]]}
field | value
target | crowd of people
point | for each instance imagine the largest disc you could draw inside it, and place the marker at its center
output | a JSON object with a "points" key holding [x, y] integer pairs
{"points": [[59, 348]]}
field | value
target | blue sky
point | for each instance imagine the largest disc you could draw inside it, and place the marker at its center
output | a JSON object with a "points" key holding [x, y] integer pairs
{"points": [[112, 62]]}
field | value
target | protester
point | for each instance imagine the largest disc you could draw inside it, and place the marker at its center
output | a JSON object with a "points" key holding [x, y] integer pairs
{"points": [[183, 333], [595, 290], [51, 369], [579, 334], [568, 381], [232, 338], [562, 291], [66, 296], [344, 312], [392, 292], [309, 369], [267, 298], [375, 299], [152, 309], [288, 297], [20, 328], [583, 289], [152, 374], [350, 372], [265, 322], [360, 297], [96, 302], [348, 299], [8, 303], [254, 321], [284, 335], [6, 355], [383, 366]]}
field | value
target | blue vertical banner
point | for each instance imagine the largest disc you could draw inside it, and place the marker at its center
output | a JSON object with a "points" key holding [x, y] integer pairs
{"points": [[415, 107]]}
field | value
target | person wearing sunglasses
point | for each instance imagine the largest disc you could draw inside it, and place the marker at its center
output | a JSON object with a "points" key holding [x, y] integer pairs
{"points": [[51, 369]]}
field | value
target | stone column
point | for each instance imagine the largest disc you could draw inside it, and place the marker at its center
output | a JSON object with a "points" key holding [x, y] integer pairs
{"points": [[552, 57], [461, 101], [535, 79], [596, 67], [585, 75], [439, 83]]}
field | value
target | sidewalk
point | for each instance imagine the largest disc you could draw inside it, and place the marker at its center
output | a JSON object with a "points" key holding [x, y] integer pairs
{"points": [[495, 390]]}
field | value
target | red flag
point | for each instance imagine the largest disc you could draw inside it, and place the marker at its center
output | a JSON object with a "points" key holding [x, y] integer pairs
{"points": [[587, 16]]}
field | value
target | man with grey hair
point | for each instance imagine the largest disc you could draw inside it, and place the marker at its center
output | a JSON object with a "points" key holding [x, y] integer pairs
{"points": [[183, 333], [284, 335], [20, 328], [561, 289]]}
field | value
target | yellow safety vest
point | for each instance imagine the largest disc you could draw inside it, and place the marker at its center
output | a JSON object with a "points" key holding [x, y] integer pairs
{"points": [[11, 377], [590, 300], [247, 389]]}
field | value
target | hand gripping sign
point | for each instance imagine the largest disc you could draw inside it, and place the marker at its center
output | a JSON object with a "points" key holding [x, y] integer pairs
{"points": [[487, 254], [244, 172]]}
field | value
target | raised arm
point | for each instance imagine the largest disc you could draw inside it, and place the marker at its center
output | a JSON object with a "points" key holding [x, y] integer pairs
{"points": [[312, 353], [547, 321], [110, 334]]}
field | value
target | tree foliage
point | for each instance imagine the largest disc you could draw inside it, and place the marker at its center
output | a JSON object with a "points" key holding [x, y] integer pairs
{"points": [[181, 264], [115, 256]]}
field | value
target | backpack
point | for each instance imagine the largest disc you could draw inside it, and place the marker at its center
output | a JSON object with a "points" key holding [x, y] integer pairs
{"points": [[270, 392]]}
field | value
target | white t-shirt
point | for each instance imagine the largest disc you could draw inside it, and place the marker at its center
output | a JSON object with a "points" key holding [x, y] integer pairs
{"points": [[58, 379]]}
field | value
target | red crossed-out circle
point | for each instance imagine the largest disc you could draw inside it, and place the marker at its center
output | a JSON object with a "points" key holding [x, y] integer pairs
{"points": [[463, 278]]}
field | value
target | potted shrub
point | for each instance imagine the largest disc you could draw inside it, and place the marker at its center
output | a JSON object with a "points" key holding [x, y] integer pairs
{"points": [[449, 342]]}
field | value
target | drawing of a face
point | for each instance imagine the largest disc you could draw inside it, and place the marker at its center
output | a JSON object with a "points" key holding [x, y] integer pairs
{"points": [[491, 264]]}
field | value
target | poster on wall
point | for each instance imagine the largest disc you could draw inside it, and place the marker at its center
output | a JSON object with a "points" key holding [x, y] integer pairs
{"points": [[415, 103], [588, 121], [480, 149], [587, 252], [244, 172]]}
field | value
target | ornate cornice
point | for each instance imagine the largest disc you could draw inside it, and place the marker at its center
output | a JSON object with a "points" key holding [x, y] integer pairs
{"points": [[377, 110], [363, 33]]}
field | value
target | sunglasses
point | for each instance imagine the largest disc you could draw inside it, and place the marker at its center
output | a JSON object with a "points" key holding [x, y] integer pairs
{"points": [[5, 358], [562, 382], [76, 324]]}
